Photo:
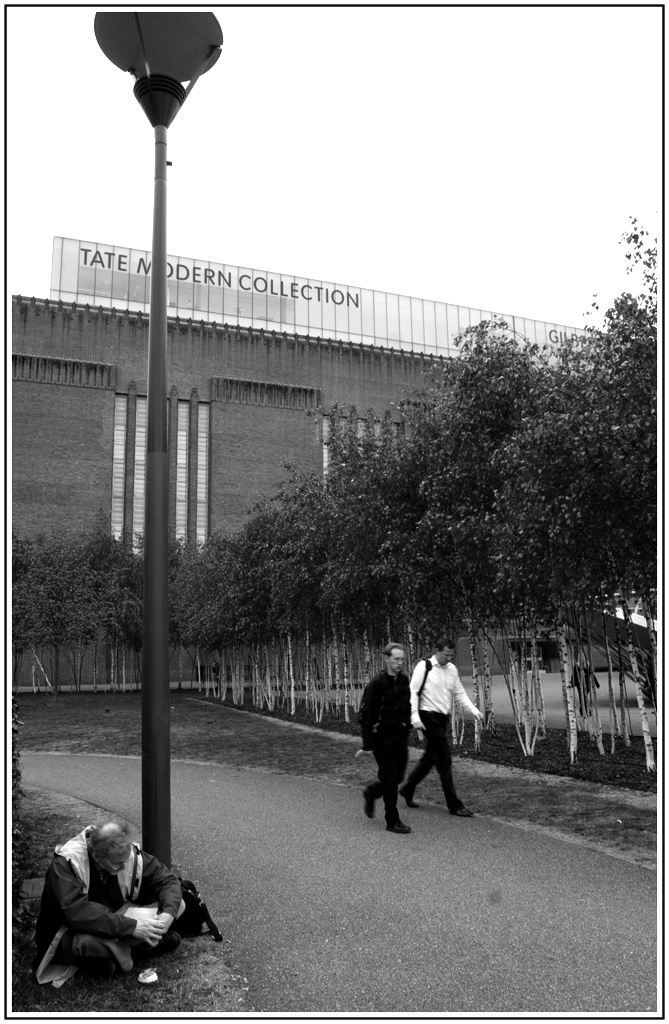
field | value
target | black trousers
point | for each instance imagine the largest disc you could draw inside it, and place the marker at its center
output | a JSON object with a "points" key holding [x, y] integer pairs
{"points": [[438, 755], [391, 750]]}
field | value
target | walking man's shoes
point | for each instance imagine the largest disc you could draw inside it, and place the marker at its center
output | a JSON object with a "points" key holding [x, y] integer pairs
{"points": [[410, 802], [368, 805], [462, 812], [399, 827]]}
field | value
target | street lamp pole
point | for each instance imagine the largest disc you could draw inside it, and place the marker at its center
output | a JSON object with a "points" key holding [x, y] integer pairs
{"points": [[161, 50], [156, 809]]}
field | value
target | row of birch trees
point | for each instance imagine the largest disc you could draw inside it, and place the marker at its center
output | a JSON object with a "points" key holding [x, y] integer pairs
{"points": [[510, 500]]}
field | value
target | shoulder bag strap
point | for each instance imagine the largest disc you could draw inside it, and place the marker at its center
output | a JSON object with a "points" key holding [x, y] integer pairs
{"points": [[428, 666]]}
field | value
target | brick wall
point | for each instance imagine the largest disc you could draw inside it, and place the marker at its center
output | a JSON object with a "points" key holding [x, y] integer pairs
{"points": [[267, 393], [62, 436], [255, 428]]}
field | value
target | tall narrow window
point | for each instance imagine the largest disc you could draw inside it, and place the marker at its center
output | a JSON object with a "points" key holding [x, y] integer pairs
{"points": [[140, 469], [118, 466], [326, 450], [182, 471], [202, 526]]}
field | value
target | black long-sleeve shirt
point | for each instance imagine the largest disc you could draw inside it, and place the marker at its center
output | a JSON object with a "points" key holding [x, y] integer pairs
{"points": [[385, 705]]}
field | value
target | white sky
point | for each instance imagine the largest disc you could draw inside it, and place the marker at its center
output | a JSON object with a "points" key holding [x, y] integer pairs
{"points": [[484, 156]]}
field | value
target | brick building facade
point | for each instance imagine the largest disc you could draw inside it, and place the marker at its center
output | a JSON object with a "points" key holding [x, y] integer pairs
{"points": [[242, 401]]}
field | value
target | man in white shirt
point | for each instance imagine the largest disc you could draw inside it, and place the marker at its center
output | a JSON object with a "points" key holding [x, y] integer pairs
{"points": [[432, 696]]}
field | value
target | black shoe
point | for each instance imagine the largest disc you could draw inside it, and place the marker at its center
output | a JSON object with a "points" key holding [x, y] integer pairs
{"points": [[462, 812], [97, 966], [167, 944], [368, 806], [409, 799], [399, 827]]}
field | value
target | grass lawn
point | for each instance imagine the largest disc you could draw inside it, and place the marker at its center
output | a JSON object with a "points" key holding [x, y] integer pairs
{"points": [[608, 802]]}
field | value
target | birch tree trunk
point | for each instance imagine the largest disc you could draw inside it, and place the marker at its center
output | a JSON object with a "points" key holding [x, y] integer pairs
{"points": [[457, 724], [335, 645], [572, 735], [648, 743], [256, 694], [235, 671], [411, 636], [55, 668], [592, 690], [622, 687], [489, 709], [319, 690], [526, 700], [475, 683], [583, 674], [328, 679], [511, 680], [307, 671], [367, 657], [534, 695], [614, 721], [291, 675], [222, 676], [41, 668], [347, 681], [524, 691], [268, 679], [652, 637], [538, 693]]}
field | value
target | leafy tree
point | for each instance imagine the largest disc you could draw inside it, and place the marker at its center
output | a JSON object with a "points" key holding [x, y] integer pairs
{"points": [[22, 608], [518, 491]]}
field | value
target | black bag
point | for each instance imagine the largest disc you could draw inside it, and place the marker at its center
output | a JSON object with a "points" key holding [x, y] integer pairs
{"points": [[195, 915]]}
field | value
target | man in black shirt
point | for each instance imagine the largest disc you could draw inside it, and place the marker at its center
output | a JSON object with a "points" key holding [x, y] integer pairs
{"points": [[385, 721]]}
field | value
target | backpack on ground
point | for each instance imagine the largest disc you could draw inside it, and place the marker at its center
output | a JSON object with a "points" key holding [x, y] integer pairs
{"points": [[196, 915]]}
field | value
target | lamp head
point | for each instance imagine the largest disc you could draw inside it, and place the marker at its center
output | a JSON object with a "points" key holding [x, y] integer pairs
{"points": [[161, 50]]}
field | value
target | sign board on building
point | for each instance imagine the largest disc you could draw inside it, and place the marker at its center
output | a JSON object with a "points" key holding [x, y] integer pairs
{"points": [[117, 276]]}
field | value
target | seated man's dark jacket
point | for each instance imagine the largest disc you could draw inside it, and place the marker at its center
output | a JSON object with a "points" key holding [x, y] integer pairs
{"points": [[385, 707], [64, 901]]}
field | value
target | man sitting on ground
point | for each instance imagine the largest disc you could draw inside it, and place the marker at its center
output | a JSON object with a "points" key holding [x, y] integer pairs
{"points": [[105, 905]]}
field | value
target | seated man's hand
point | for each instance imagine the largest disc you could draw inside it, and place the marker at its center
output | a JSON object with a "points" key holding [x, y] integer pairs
{"points": [[165, 920], [149, 930], [150, 925]]}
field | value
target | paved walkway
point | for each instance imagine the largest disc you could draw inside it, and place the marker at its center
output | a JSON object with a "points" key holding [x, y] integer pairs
{"points": [[327, 912]]}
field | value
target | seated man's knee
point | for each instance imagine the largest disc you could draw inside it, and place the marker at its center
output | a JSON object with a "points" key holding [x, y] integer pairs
{"points": [[75, 946]]}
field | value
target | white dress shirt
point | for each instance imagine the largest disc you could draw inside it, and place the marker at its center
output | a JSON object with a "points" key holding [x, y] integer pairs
{"points": [[442, 686]]}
